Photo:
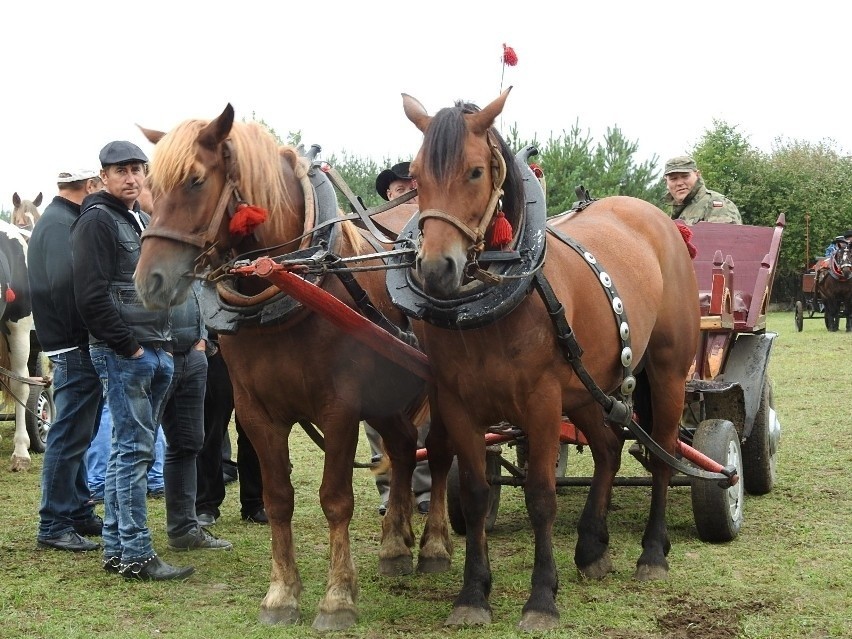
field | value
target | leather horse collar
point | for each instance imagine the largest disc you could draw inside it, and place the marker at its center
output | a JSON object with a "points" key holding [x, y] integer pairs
{"points": [[480, 303]]}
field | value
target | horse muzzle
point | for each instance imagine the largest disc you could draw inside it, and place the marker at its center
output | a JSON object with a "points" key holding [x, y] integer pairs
{"points": [[440, 275]]}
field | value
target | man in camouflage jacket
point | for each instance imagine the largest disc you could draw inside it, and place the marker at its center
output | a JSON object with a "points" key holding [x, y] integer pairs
{"points": [[691, 200]]}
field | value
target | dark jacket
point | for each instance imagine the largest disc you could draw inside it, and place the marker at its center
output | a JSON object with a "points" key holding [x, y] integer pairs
{"points": [[57, 321], [105, 246], [186, 322]]}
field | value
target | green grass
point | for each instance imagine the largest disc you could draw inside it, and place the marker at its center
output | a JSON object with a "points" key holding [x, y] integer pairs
{"points": [[786, 575]]}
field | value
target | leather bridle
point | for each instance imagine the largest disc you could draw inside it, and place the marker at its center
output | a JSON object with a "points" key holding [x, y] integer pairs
{"points": [[477, 235], [229, 199]]}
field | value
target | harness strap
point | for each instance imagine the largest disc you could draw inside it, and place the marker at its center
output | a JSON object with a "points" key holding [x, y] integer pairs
{"points": [[616, 410], [365, 305]]}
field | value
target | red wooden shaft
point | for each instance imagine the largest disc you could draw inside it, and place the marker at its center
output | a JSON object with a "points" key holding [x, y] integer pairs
{"points": [[342, 316]]}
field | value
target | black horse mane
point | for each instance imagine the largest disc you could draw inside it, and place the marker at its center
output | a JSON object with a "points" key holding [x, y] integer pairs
{"points": [[443, 147]]}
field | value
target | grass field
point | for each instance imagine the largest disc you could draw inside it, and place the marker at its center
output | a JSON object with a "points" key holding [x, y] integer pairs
{"points": [[787, 575]]}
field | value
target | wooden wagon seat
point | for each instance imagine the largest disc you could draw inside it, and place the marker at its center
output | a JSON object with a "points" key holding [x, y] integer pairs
{"points": [[735, 268]]}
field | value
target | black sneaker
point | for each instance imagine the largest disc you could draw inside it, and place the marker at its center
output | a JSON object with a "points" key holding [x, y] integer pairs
{"points": [[199, 539], [91, 527], [258, 517]]}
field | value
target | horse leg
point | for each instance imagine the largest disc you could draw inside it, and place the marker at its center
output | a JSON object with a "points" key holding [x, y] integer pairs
{"points": [[395, 557], [337, 610], [19, 346], [666, 408], [436, 546], [281, 603], [591, 555], [540, 612], [471, 606]]}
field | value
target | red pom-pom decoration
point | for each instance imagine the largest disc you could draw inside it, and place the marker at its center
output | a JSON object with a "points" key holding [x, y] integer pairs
{"points": [[247, 219], [536, 169], [10, 295], [510, 58], [501, 231], [686, 234]]}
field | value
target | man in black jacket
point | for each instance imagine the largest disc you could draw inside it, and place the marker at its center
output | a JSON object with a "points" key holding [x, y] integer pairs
{"points": [[129, 345], [66, 512]]}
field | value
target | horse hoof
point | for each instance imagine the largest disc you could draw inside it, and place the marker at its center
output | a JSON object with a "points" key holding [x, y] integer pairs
{"points": [[535, 621], [396, 566], [286, 616], [597, 569], [468, 616], [647, 572], [20, 464], [431, 565], [336, 620]]}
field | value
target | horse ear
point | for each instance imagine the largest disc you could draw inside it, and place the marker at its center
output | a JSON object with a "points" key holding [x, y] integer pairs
{"points": [[214, 133], [481, 121], [416, 112], [37, 200], [16, 199], [151, 135]]}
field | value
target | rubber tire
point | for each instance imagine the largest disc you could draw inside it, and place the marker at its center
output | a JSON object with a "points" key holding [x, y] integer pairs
{"points": [[718, 512], [454, 509], [800, 316], [758, 460], [39, 402]]}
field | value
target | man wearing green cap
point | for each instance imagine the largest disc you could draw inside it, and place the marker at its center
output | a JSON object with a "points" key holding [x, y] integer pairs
{"points": [[691, 200]]}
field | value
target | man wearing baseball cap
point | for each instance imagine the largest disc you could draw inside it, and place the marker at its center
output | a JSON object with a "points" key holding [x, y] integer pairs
{"points": [[66, 515], [691, 200], [127, 344]]}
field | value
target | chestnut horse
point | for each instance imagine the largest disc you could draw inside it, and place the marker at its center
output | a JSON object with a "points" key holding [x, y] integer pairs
{"points": [[515, 368], [834, 286], [301, 368]]}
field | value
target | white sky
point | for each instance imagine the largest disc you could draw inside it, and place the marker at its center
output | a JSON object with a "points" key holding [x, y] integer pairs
{"points": [[75, 76]]}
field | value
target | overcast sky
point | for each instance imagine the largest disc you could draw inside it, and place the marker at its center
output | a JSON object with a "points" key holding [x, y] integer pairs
{"points": [[75, 76]]}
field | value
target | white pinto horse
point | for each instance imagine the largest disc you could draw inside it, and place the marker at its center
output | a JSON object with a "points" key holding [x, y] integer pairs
{"points": [[16, 325]]}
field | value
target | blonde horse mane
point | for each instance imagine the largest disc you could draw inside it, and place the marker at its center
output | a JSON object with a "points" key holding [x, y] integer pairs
{"points": [[258, 159]]}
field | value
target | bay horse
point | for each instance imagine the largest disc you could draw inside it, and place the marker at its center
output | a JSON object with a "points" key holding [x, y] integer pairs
{"points": [[25, 213], [299, 368], [16, 326], [515, 367], [834, 286]]}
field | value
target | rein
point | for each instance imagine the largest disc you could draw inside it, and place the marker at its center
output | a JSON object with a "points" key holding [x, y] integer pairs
{"points": [[477, 235]]}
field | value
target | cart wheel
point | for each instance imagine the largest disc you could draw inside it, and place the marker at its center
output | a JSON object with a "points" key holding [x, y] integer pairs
{"points": [[718, 512], [40, 409], [454, 509], [800, 316], [761, 447]]}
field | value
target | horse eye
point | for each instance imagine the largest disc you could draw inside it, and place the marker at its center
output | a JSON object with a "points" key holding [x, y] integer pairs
{"points": [[476, 173], [196, 182]]}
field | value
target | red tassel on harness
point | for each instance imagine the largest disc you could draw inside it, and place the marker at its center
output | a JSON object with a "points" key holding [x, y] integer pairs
{"points": [[686, 234], [10, 295], [501, 231], [247, 219], [510, 58]]}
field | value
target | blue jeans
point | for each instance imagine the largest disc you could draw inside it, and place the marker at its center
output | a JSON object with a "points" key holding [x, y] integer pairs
{"points": [[98, 456], [78, 394], [135, 390], [183, 423]]}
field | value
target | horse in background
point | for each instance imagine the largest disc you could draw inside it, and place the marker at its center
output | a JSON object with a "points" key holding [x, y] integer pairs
{"points": [[288, 364], [516, 367], [16, 326], [25, 213], [834, 286]]}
